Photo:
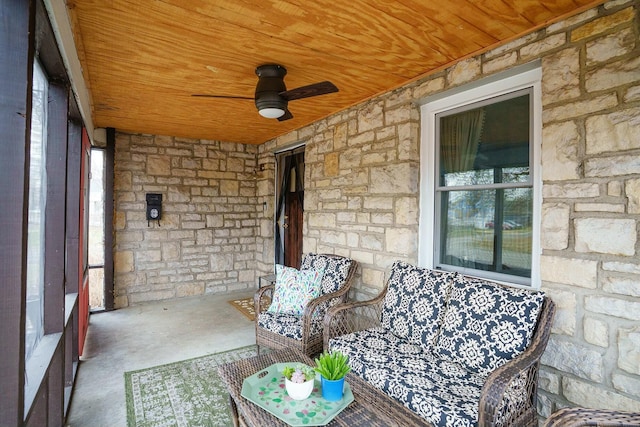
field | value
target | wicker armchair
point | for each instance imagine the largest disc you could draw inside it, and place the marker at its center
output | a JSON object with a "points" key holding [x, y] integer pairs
{"points": [[498, 403], [304, 332], [577, 417]]}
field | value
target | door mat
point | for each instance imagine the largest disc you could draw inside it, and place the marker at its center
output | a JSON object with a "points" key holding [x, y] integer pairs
{"points": [[183, 394], [246, 307]]}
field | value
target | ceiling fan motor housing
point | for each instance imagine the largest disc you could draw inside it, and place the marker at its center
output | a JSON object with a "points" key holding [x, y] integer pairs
{"points": [[270, 84]]}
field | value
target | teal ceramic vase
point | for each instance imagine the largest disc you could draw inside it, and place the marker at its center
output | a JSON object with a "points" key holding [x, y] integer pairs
{"points": [[332, 390]]}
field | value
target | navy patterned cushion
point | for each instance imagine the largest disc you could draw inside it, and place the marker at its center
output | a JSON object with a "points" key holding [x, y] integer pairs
{"points": [[372, 348], [335, 270], [286, 324], [438, 390], [414, 304], [486, 324]]}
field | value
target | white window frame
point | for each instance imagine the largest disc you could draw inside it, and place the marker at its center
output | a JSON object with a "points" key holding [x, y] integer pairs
{"points": [[528, 76]]}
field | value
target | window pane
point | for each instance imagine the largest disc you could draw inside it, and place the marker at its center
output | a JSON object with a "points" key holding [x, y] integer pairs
{"points": [[486, 145], [96, 208], [470, 239], [37, 199], [96, 230]]}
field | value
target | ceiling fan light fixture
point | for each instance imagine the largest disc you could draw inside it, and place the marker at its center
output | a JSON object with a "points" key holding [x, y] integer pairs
{"points": [[271, 113], [271, 95]]}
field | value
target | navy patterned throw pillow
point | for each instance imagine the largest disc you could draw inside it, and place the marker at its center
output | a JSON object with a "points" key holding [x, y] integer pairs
{"points": [[414, 304], [487, 324], [335, 270]]}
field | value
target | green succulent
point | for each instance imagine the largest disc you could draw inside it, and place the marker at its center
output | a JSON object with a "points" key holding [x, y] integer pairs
{"points": [[332, 365], [299, 374]]}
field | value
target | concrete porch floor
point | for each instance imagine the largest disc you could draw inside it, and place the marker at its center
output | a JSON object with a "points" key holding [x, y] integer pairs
{"points": [[147, 335]]}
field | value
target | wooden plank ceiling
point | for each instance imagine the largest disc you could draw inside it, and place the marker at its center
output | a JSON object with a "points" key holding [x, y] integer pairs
{"points": [[144, 59]]}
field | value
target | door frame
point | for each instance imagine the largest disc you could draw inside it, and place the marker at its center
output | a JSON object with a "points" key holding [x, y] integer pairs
{"points": [[279, 211]]}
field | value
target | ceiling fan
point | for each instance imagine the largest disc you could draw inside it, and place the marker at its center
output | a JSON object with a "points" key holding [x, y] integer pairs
{"points": [[272, 96]]}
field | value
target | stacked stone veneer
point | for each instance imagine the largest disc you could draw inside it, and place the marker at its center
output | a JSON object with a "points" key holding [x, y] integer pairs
{"points": [[362, 198], [206, 240], [362, 191]]}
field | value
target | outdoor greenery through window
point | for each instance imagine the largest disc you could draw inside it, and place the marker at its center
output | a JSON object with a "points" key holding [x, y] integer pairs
{"points": [[34, 329], [484, 188], [96, 230]]}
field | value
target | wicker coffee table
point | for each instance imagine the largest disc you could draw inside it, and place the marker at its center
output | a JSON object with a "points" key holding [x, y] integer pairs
{"points": [[370, 407]]}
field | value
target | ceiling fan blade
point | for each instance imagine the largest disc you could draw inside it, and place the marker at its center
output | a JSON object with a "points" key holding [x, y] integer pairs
{"points": [[202, 95], [286, 116], [315, 89]]}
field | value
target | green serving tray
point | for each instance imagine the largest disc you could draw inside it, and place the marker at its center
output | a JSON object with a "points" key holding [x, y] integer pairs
{"points": [[267, 390]]}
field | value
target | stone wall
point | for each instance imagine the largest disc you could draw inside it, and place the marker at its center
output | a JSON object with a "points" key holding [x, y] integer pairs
{"points": [[362, 191], [591, 170], [206, 240]]}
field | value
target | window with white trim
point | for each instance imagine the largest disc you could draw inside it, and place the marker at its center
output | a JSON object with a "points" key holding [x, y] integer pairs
{"points": [[480, 186]]}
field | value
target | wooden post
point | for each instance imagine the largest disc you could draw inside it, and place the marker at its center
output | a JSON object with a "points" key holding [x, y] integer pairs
{"points": [[16, 70]]}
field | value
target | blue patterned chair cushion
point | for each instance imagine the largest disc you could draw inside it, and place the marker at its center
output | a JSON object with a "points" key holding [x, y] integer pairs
{"points": [[486, 325], [334, 278], [335, 270], [414, 304], [438, 390], [288, 325], [372, 347]]}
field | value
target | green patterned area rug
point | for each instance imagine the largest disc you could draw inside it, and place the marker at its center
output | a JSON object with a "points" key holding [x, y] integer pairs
{"points": [[181, 394]]}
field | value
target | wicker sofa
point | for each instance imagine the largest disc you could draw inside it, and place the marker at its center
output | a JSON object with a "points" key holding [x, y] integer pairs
{"points": [[456, 350]]}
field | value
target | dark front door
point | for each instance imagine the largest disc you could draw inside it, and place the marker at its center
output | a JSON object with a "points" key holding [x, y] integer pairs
{"points": [[293, 229], [290, 207]]}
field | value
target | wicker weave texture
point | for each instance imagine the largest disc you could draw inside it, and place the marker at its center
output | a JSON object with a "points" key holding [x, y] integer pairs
{"points": [[495, 407], [576, 417], [310, 344], [519, 374], [351, 317], [371, 407]]}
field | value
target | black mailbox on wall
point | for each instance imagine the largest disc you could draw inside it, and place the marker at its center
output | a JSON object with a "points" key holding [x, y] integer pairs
{"points": [[154, 206]]}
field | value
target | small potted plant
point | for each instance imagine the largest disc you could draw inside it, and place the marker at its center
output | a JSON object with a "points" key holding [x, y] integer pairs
{"points": [[332, 366], [299, 381]]}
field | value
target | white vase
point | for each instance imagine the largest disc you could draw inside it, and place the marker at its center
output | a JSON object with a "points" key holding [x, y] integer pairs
{"points": [[298, 391]]}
